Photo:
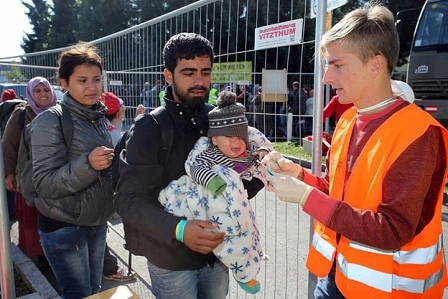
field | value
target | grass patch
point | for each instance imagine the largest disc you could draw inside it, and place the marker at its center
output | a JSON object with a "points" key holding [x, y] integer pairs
{"points": [[293, 148]]}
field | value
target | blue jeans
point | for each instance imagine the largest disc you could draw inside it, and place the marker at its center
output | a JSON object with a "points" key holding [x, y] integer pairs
{"points": [[206, 283], [76, 255], [326, 287]]}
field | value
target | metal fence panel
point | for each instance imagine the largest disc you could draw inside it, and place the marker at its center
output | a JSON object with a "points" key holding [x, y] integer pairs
{"points": [[133, 64]]}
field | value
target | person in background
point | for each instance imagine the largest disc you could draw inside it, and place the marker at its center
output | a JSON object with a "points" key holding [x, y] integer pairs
{"points": [[213, 95], [7, 107], [40, 96], [244, 97], [258, 92], [9, 97], [374, 234], [335, 107], [8, 94], [309, 113], [145, 95], [74, 184], [161, 96], [114, 115], [186, 261], [296, 104]]}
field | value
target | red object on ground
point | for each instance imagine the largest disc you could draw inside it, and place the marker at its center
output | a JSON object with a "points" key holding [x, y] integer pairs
{"points": [[325, 137]]}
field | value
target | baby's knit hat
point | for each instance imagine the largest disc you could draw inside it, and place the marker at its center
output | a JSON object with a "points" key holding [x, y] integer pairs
{"points": [[227, 118]]}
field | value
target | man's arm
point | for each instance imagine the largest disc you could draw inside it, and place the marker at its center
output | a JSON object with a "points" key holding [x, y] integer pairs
{"points": [[330, 108], [410, 193], [136, 199]]}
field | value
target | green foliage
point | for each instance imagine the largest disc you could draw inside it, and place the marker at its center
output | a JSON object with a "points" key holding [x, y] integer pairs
{"points": [[64, 23], [40, 20], [15, 75], [102, 18]]}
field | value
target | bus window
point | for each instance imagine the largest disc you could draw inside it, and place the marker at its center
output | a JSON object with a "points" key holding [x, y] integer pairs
{"points": [[432, 29]]}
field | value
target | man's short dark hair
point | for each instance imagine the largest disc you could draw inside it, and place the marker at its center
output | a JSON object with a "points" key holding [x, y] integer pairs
{"points": [[185, 46]]}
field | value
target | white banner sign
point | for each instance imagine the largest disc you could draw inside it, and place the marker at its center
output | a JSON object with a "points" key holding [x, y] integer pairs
{"points": [[115, 82], [279, 35], [331, 4]]}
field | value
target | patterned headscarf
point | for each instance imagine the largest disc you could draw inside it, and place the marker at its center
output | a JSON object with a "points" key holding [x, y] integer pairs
{"points": [[30, 97]]}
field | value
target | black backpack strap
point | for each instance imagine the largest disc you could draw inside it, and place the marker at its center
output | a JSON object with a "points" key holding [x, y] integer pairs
{"points": [[163, 119], [65, 123], [22, 115]]}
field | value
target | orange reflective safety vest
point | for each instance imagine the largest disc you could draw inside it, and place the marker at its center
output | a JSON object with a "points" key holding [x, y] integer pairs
{"points": [[416, 270]]}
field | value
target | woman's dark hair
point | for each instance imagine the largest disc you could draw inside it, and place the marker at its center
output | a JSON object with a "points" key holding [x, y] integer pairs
{"points": [[82, 53]]}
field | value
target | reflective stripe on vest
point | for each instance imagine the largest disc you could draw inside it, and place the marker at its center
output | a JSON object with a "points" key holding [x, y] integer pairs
{"points": [[386, 282], [419, 256], [323, 247]]}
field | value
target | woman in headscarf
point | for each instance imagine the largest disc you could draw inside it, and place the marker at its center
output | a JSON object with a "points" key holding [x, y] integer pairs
{"points": [[40, 97]]}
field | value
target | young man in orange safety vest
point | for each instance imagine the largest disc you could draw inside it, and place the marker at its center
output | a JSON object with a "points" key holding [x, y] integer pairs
{"points": [[377, 209]]}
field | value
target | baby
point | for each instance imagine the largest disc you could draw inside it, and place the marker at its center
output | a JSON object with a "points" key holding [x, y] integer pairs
{"points": [[222, 169]]}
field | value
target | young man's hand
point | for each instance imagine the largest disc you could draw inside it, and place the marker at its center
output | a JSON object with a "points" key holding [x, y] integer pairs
{"points": [[275, 162], [290, 189]]}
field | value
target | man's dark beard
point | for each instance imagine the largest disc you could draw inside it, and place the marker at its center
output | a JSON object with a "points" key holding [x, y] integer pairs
{"points": [[192, 102]]}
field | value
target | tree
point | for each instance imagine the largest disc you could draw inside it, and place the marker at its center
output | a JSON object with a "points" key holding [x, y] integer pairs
{"points": [[39, 16], [102, 18], [15, 75], [64, 23]]}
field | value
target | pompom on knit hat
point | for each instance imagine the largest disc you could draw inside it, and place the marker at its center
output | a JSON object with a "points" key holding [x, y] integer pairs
{"points": [[227, 118]]}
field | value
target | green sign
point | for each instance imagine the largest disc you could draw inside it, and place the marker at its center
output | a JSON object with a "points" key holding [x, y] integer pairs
{"points": [[225, 72]]}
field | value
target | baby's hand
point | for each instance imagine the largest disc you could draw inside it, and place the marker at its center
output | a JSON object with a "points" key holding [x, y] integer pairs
{"points": [[260, 153]]}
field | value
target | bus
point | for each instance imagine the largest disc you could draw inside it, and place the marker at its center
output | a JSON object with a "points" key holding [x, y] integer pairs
{"points": [[427, 72]]}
